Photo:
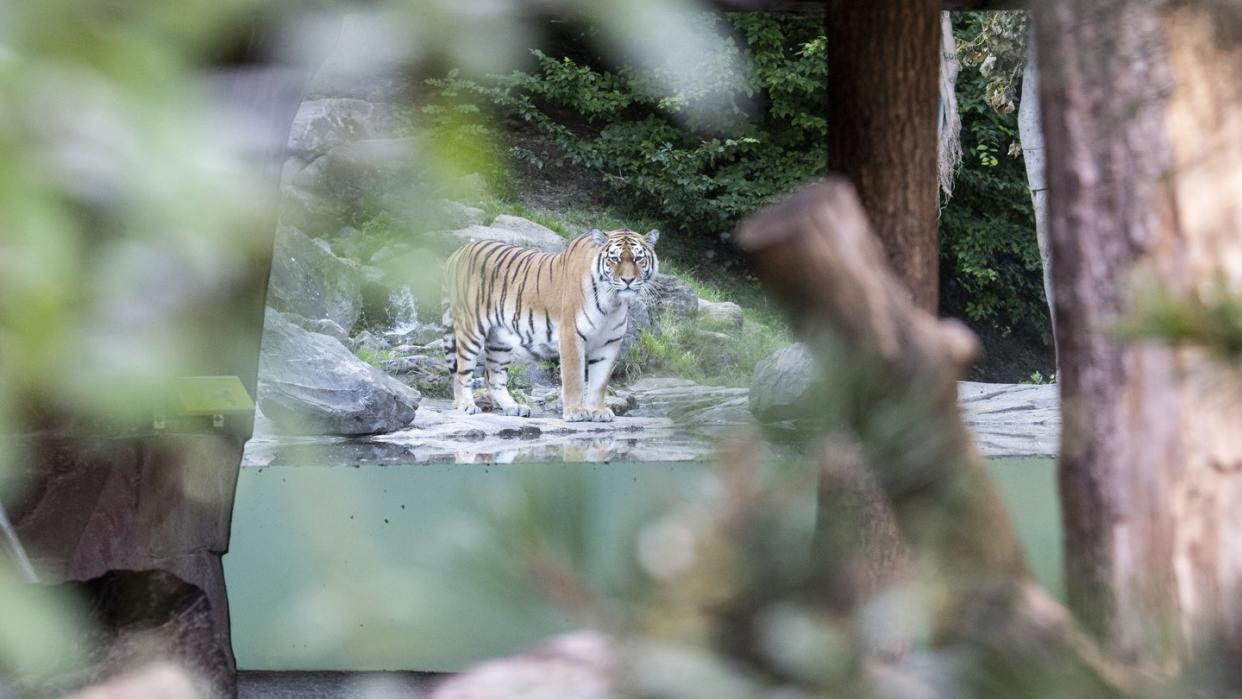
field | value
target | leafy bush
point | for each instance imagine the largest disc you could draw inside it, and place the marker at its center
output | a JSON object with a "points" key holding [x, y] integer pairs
{"points": [[695, 174]]}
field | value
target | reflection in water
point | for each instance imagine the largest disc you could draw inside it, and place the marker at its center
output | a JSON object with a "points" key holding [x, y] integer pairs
{"points": [[482, 449]]}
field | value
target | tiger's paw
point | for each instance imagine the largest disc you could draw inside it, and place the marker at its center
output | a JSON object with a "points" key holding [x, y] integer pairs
{"points": [[602, 415], [470, 409], [578, 415], [517, 411]]}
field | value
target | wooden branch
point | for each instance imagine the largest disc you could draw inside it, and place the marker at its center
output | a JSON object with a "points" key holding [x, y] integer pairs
{"points": [[816, 254], [896, 369]]}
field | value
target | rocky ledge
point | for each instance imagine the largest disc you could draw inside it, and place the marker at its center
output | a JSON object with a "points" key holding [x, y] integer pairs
{"points": [[666, 420]]}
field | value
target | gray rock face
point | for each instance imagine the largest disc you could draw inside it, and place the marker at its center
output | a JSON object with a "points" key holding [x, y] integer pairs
{"points": [[326, 194], [534, 236], [689, 403], [309, 280], [724, 315], [369, 61], [671, 298], [323, 326], [462, 214], [311, 384], [667, 299], [525, 226], [781, 384], [428, 374], [1012, 419], [324, 124]]}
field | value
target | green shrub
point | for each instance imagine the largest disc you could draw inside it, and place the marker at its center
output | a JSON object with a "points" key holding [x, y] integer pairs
{"points": [[693, 173]]}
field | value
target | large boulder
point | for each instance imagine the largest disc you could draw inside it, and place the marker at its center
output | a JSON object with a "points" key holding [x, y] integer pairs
{"points": [[724, 315], [324, 124], [370, 59], [668, 299], [311, 384], [782, 384], [336, 188], [137, 621], [532, 236], [307, 279], [688, 402], [428, 374]]}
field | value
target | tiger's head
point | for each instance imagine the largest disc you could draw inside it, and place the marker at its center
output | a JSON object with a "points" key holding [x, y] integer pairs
{"points": [[626, 260]]}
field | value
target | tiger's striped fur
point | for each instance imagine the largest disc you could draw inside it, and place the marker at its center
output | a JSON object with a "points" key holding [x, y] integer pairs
{"points": [[506, 301]]}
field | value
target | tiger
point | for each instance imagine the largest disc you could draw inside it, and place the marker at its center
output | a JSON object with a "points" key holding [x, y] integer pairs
{"points": [[504, 301]]}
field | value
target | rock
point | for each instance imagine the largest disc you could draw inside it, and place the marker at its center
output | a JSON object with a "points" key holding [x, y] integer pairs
{"points": [[420, 336], [534, 374], [723, 315], [581, 664], [311, 384], [310, 281], [370, 59], [525, 226], [782, 383], [370, 342], [135, 621], [101, 503], [323, 326], [337, 187], [620, 404], [671, 299], [428, 374], [461, 215], [324, 124], [535, 236], [717, 353], [689, 403], [1012, 419], [351, 244]]}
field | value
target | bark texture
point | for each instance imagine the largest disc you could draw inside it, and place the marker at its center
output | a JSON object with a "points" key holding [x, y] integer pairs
{"points": [[1143, 137], [883, 74]]}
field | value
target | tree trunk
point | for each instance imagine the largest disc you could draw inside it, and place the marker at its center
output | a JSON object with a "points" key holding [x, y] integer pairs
{"points": [[883, 75], [1144, 139], [1031, 134]]}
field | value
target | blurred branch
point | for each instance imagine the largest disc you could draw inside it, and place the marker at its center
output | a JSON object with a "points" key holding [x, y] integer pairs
{"points": [[815, 252]]}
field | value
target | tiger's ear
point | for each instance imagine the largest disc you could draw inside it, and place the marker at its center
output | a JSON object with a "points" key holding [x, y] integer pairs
{"points": [[652, 236], [598, 237]]}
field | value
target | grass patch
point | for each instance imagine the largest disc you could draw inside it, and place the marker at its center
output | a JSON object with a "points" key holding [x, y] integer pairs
{"points": [[702, 352], [375, 357]]}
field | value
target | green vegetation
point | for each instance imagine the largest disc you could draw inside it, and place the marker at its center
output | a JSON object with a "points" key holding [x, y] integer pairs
{"points": [[704, 352], [375, 357]]}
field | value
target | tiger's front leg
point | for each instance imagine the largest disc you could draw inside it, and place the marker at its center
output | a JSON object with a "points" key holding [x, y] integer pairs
{"points": [[573, 374], [599, 369]]}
